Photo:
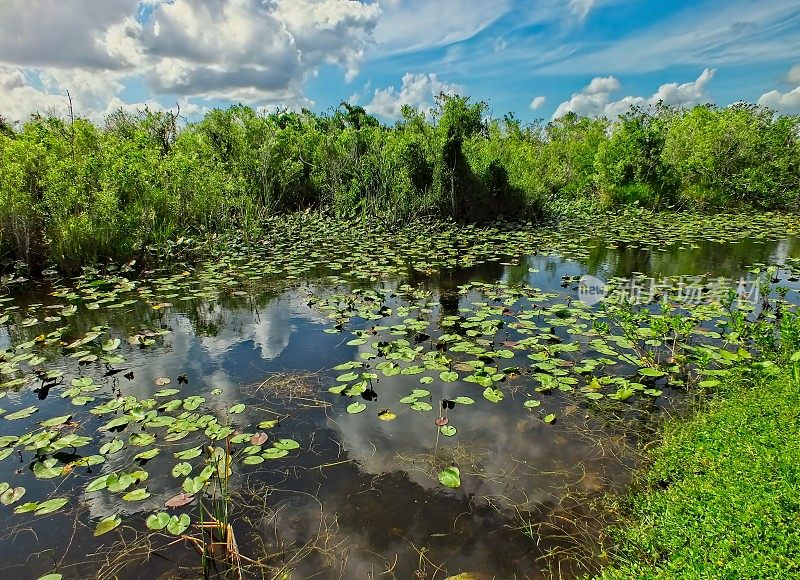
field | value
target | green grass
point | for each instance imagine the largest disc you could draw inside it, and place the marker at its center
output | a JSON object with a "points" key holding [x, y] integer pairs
{"points": [[722, 497]]}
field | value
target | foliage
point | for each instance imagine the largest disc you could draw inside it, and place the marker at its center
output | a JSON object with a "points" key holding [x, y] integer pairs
{"points": [[740, 155], [720, 499], [721, 496], [74, 193]]}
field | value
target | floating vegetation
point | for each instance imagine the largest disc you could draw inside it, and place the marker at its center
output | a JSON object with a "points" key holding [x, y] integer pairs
{"points": [[399, 358]]}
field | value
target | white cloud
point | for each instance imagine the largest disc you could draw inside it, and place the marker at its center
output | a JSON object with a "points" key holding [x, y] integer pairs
{"points": [[94, 94], [417, 91], [537, 103], [595, 99], [616, 109], [686, 93], [68, 33], [583, 104], [238, 50], [19, 99], [703, 34], [88, 88], [420, 24], [580, 8], [793, 76], [331, 31], [121, 42], [788, 102], [251, 51], [591, 102], [27, 90], [600, 85]]}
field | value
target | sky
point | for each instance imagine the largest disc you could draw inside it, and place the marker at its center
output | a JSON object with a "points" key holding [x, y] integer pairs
{"points": [[537, 58]]}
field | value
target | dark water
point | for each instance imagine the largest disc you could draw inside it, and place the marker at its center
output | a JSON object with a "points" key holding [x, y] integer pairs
{"points": [[362, 498]]}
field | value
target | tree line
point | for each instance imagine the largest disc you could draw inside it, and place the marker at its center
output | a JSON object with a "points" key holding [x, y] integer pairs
{"points": [[73, 192]]}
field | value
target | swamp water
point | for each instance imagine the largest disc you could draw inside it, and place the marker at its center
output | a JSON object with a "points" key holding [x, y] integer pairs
{"points": [[346, 375]]}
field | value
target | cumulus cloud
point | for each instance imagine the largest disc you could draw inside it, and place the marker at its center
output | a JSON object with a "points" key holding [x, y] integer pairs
{"points": [[793, 76], [19, 98], [254, 51], [94, 94], [595, 99], [788, 102], [686, 93], [90, 88], [68, 33], [600, 85], [417, 91], [251, 50], [121, 43], [332, 31], [537, 103], [590, 102]]}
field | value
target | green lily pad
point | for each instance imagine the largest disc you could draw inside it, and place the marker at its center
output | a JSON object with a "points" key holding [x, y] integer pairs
{"points": [[182, 469], [178, 524], [107, 524], [22, 413], [357, 407], [287, 444], [447, 430], [450, 477], [493, 395], [157, 521], [137, 494], [50, 506], [11, 495]]}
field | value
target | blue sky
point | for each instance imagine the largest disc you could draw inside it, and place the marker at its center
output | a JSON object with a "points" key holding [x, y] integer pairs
{"points": [[538, 58]]}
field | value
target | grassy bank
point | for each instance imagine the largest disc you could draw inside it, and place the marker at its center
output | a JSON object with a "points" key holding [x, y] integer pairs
{"points": [[75, 193], [722, 497]]}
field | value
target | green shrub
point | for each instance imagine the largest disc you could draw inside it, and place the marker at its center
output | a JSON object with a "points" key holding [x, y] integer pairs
{"points": [[73, 193]]}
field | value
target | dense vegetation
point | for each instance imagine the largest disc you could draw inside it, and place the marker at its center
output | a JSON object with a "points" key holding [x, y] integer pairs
{"points": [[72, 192], [721, 497]]}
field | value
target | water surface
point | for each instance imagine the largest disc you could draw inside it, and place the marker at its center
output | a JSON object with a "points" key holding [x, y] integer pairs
{"points": [[360, 498]]}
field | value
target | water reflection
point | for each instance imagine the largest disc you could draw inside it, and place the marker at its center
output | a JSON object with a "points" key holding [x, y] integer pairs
{"points": [[364, 491]]}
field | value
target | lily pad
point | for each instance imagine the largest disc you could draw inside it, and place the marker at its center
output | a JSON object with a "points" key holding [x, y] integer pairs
{"points": [[107, 524], [386, 415], [357, 407], [50, 506], [447, 430], [178, 524], [11, 495], [179, 500], [450, 477], [157, 521]]}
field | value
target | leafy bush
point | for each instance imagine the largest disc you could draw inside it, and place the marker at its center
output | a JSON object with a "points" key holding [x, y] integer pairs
{"points": [[73, 193]]}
